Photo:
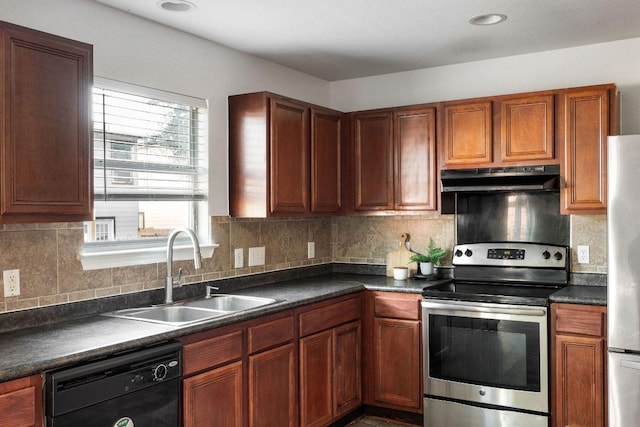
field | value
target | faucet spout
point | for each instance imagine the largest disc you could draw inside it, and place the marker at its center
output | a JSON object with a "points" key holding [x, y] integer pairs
{"points": [[197, 258]]}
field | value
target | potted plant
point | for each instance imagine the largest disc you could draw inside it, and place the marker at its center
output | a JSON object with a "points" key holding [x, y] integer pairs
{"points": [[427, 260]]}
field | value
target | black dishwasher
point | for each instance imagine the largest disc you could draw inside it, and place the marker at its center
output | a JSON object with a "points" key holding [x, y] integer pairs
{"points": [[135, 389]]}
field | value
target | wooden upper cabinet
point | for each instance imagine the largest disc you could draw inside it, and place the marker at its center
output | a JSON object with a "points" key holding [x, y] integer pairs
{"points": [[587, 117], [501, 131], [394, 159], [284, 157], [468, 130], [415, 159], [326, 158], [527, 130], [289, 148], [373, 161], [45, 127]]}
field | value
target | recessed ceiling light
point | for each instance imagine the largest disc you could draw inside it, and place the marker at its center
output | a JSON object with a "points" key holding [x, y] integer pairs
{"points": [[176, 5], [488, 19]]}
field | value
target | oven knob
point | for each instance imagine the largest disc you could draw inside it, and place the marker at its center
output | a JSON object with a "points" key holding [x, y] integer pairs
{"points": [[458, 252], [159, 372], [557, 256], [546, 255], [468, 252]]}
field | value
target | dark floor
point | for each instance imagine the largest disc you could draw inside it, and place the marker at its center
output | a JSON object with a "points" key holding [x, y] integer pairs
{"points": [[369, 421]]}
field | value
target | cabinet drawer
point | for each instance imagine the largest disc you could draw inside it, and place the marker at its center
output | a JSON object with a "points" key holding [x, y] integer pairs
{"points": [[270, 334], [583, 320], [20, 403], [397, 306], [211, 352], [322, 318]]}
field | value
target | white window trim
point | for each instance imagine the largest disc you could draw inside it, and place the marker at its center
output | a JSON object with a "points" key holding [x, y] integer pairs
{"points": [[99, 255]]}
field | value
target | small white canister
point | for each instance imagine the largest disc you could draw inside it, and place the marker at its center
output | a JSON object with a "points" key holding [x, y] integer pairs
{"points": [[400, 273]]}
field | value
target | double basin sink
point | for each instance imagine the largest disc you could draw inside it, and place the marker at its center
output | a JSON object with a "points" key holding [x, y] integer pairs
{"points": [[193, 311]]}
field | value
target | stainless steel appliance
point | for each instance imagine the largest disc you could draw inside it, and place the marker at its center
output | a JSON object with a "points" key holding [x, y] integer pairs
{"points": [[140, 388], [486, 338], [623, 279]]}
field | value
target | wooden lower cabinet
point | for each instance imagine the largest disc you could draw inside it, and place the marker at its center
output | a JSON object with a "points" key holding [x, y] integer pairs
{"points": [[397, 361], [330, 360], [393, 363], [21, 402], [579, 352], [214, 398], [330, 380], [272, 388]]}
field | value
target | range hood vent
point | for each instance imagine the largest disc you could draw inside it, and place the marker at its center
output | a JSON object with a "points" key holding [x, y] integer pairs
{"points": [[519, 178]]}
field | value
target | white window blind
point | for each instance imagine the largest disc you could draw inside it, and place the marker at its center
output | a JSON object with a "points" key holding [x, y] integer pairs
{"points": [[148, 148]]}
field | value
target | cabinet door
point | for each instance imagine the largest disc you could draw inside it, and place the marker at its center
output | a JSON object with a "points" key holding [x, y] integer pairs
{"points": [[579, 381], [347, 386], [21, 402], [373, 161], [527, 130], [214, 398], [415, 165], [326, 158], [289, 157], [315, 379], [45, 135], [586, 127], [396, 366], [272, 388], [468, 133]]}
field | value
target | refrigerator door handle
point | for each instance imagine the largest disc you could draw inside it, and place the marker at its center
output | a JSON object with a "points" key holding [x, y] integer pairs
{"points": [[630, 364]]}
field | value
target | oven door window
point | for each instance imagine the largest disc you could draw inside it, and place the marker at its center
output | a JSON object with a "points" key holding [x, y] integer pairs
{"points": [[489, 352]]}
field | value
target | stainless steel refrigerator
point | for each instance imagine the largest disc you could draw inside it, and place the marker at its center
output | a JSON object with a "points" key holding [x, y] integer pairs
{"points": [[623, 279]]}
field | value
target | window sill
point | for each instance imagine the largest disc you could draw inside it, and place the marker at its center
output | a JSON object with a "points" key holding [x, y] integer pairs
{"points": [[94, 256]]}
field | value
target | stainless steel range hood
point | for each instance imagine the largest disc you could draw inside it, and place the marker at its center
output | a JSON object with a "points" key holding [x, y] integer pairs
{"points": [[518, 178]]}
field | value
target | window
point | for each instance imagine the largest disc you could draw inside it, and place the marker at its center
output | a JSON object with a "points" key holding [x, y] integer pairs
{"points": [[149, 161], [150, 165]]}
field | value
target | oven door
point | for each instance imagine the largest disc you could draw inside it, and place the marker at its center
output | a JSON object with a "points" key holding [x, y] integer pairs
{"points": [[489, 354]]}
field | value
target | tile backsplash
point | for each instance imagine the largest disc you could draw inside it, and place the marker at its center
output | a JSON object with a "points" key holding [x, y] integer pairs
{"points": [[50, 272]]}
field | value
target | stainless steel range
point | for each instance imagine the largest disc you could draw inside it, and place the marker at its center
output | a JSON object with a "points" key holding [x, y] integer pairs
{"points": [[486, 338]]}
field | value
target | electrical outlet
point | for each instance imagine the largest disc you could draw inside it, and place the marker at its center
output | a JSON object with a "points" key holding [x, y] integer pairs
{"points": [[238, 258], [256, 256], [311, 250], [583, 254], [11, 280]]}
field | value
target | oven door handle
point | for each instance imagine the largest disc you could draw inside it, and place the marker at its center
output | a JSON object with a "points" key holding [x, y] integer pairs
{"points": [[485, 309]]}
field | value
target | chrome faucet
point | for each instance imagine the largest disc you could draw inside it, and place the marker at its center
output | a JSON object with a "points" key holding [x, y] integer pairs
{"points": [[197, 259]]}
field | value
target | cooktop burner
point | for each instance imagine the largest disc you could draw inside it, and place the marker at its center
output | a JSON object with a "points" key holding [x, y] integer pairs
{"points": [[505, 273], [494, 293]]}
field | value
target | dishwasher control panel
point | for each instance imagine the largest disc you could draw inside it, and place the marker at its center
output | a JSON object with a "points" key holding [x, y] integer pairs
{"points": [[153, 372]]}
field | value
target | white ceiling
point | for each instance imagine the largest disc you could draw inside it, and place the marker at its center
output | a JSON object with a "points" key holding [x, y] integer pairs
{"points": [[342, 39]]}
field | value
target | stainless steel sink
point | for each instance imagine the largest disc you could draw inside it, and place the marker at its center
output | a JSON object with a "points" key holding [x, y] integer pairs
{"points": [[177, 315], [229, 303], [193, 311]]}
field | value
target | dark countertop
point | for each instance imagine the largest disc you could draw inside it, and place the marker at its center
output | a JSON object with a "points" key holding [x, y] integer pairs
{"points": [[581, 294], [36, 349], [33, 350]]}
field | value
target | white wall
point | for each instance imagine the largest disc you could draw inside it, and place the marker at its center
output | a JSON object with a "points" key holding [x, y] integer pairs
{"points": [[134, 50], [615, 62]]}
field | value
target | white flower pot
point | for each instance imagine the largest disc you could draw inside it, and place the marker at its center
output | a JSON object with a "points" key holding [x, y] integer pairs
{"points": [[426, 268]]}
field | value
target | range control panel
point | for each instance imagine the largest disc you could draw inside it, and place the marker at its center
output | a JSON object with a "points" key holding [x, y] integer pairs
{"points": [[511, 254]]}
